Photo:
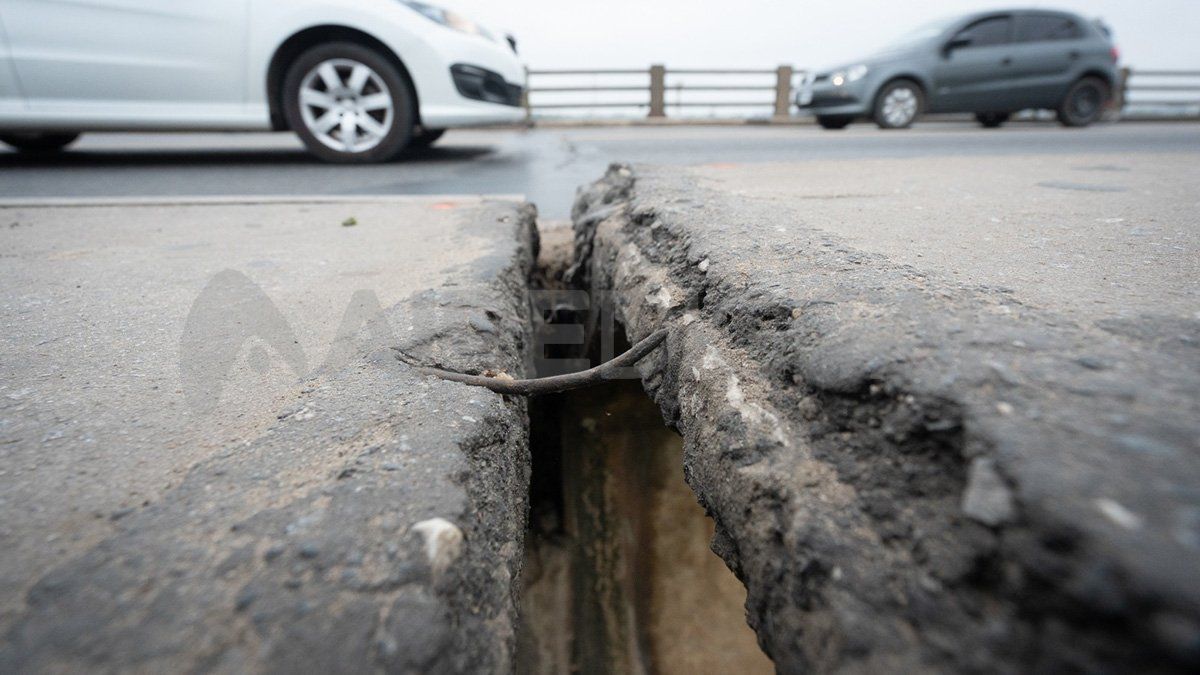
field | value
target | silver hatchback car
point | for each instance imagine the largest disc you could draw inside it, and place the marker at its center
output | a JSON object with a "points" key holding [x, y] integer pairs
{"points": [[991, 64]]}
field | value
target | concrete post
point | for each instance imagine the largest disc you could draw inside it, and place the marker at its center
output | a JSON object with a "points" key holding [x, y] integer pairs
{"points": [[658, 91], [1116, 102], [525, 101], [1121, 90], [783, 92]]}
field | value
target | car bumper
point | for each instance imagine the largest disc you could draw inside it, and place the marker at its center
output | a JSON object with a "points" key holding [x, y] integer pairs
{"points": [[487, 87], [824, 98], [468, 114]]}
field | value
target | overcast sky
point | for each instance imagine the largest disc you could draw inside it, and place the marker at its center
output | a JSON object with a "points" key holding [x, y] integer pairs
{"points": [[706, 33]]}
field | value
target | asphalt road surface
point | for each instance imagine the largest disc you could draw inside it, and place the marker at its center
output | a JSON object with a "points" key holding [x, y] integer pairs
{"points": [[1091, 236], [544, 164], [179, 383]]}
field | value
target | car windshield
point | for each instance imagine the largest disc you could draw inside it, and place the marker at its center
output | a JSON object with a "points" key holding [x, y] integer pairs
{"points": [[922, 33]]}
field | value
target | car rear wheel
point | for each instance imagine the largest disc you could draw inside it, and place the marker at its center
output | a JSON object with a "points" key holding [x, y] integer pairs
{"points": [[991, 120], [834, 122], [35, 142], [349, 104], [1084, 102], [898, 105], [426, 138]]}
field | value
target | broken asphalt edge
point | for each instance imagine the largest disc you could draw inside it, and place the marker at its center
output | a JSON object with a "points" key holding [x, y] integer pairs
{"points": [[378, 525], [909, 473]]}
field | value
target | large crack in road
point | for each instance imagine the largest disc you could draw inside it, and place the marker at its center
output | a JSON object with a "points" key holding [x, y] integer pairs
{"points": [[907, 474], [905, 471]]}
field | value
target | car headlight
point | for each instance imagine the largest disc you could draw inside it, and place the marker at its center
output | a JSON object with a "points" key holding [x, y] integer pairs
{"points": [[447, 18], [851, 74]]}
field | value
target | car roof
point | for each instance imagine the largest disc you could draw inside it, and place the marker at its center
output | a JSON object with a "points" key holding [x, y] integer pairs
{"points": [[1024, 10]]}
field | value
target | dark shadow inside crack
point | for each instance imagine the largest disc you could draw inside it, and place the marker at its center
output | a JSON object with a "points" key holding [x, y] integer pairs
{"points": [[618, 573]]}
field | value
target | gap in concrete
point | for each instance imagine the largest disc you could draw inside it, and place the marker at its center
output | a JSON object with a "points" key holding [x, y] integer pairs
{"points": [[618, 575]]}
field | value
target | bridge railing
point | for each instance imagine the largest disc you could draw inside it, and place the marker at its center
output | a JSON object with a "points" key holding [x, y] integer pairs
{"points": [[652, 89], [760, 92], [1159, 93]]}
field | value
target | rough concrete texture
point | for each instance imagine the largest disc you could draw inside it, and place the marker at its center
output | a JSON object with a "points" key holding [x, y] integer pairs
{"points": [[911, 472], [188, 488]]}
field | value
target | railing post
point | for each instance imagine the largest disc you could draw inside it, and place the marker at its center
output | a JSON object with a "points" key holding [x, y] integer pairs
{"points": [[525, 101], [658, 91], [1120, 96], [783, 92]]}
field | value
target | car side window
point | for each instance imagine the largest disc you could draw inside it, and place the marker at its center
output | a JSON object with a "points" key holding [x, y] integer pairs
{"points": [[1047, 28], [992, 31]]}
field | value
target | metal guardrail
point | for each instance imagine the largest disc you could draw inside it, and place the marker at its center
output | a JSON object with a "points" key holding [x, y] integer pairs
{"points": [[1159, 82], [659, 81]]}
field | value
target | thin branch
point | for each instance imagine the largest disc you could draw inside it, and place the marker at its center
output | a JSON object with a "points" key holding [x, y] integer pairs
{"points": [[558, 383]]}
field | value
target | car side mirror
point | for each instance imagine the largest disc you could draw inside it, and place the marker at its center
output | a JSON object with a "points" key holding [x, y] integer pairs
{"points": [[956, 43]]}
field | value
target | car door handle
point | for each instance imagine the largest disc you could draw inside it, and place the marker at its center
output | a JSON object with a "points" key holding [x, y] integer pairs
{"points": [[1007, 61], [1074, 56]]}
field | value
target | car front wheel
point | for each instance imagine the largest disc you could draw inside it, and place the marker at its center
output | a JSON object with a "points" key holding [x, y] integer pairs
{"points": [[349, 104], [1084, 103], [34, 142], [898, 105]]}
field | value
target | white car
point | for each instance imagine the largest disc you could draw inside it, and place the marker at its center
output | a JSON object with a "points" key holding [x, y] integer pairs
{"points": [[358, 80]]}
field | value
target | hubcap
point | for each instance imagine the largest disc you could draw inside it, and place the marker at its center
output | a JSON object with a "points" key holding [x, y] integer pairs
{"points": [[346, 105], [900, 106]]}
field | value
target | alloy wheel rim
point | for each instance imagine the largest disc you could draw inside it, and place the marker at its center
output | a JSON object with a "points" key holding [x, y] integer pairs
{"points": [[900, 106], [346, 105]]}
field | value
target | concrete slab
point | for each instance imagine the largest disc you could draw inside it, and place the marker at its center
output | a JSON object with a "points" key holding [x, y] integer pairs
{"points": [[927, 444], [212, 459]]}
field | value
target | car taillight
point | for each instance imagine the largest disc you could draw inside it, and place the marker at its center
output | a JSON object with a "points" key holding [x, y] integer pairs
{"points": [[1115, 54]]}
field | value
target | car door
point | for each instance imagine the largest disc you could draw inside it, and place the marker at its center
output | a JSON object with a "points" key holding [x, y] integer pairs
{"points": [[974, 71], [129, 57], [1045, 54]]}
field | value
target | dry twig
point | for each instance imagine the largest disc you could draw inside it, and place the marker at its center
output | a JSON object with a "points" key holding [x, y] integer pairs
{"points": [[557, 383]]}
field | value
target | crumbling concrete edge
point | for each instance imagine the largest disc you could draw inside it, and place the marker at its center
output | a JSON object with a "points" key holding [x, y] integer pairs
{"points": [[483, 586], [306, 550], [891, 496]]}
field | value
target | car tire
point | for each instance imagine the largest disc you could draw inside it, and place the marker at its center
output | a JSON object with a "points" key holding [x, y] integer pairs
{"points": [[898, 104], [426, 138], [991, 120], [834, 122], [38, 143], [1084, 102], [349, 104]]}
